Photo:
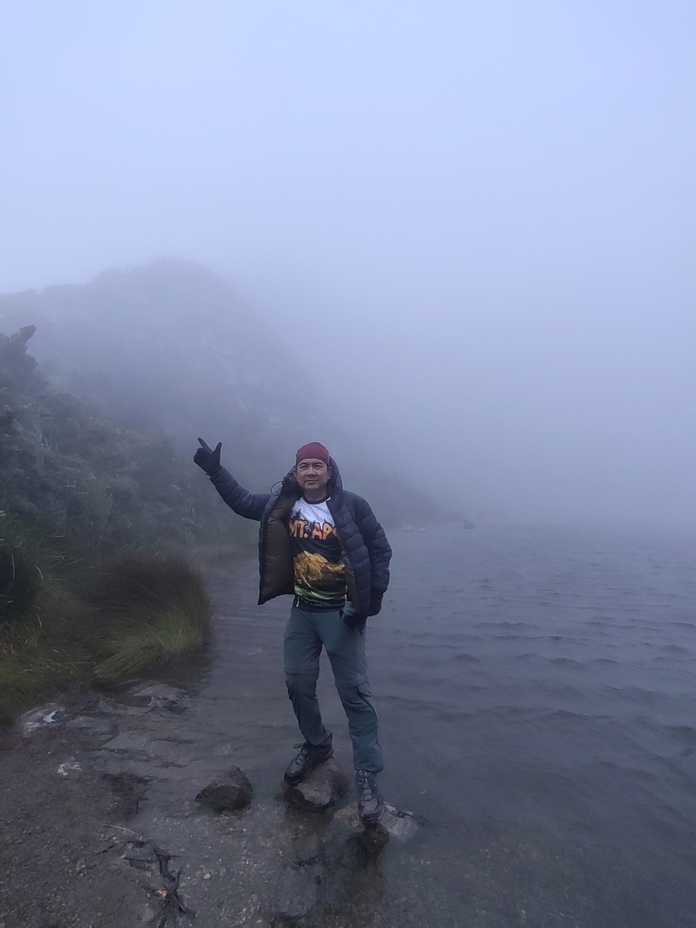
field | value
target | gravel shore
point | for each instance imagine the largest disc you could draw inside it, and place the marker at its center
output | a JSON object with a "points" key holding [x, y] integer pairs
{"points": [[100, 829]]}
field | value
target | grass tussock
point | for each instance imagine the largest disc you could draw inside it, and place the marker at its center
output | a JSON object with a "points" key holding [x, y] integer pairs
{"points": [[151, 640], [141, 613], [28, 669], [36, 658], [148, 611]]}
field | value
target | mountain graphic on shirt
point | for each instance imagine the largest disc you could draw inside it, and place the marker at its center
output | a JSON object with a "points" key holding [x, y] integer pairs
{"points": [[314, 574]]}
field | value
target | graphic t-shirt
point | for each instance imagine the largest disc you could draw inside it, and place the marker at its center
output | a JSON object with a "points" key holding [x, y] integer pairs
{"points": [[320, 580]]}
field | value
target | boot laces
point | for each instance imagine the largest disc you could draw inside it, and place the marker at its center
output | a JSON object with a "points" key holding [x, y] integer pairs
{"points": [[365, 782], [307, 749]]}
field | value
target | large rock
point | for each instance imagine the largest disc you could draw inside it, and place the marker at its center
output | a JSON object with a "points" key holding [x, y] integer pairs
{"points": [[227, 793], [320, 789]]}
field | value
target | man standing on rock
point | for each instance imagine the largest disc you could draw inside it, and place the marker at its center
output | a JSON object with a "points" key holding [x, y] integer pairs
{"points": [[324, 545]]}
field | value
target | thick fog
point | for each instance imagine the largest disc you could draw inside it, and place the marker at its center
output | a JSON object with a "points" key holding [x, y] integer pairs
{"points": [[473, 224]]}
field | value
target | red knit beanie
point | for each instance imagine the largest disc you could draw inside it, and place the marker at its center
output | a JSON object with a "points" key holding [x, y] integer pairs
{"points": [[313, 450]]}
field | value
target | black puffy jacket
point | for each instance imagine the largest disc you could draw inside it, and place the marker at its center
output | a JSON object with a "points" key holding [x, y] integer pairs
{"points": [[364, 545]]}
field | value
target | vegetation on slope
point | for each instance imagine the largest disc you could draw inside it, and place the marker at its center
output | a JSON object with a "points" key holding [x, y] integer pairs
{"points": [[90, 518], [170, 347]]}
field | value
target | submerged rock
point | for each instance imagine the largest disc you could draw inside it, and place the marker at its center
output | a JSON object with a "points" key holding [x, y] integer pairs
{"points": [[307, 849], [373, 839], [227, 793], [324, 785], [399, 825], [295, 894], [395, 824]]}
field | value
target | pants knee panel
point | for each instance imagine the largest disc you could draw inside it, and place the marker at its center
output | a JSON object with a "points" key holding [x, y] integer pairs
{"points": [[357, 698], [301, 685]]}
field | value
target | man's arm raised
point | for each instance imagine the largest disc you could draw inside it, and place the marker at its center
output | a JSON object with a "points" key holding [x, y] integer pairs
{"points": [[246, 504]]}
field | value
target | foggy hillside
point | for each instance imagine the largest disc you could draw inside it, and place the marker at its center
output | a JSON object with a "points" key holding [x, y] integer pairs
{"points": [[171, 348], [72, 478]]}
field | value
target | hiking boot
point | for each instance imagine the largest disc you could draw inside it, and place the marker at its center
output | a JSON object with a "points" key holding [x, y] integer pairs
{"points": [[310, 756], [370, 803]]}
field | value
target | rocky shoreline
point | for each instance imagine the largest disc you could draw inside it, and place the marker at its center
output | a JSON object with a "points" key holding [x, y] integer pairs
{"points": [[101, 829]]}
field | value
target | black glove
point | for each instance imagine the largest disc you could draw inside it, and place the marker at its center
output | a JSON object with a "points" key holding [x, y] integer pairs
{"points": [[375, 602], [351, 618], [290, 486], [207, 459]]}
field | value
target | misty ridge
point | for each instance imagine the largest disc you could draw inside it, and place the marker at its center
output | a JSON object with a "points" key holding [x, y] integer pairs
{"points": [[485, 212], [169, 349]]}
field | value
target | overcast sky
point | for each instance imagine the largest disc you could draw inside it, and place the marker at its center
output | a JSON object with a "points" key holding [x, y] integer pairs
{"points": [[473, 221]]}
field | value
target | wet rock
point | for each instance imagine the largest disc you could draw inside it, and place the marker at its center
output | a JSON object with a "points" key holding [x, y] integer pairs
{"points": [[399, 825], [118, 764], [108, 707], [396, 824], [161, 696], [41, 717], [227, 793], [168, 753], [324, 785], [295, 894], [90, 726], [128, 741]]}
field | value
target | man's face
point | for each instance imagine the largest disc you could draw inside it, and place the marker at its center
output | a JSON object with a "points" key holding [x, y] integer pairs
{"points": [[313, 476]]}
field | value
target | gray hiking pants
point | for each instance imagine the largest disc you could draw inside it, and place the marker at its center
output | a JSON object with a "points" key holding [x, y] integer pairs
{"points": [[305, 635]]}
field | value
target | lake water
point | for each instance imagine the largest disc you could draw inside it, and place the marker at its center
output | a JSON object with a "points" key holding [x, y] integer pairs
{"points": [[536, 695]]}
